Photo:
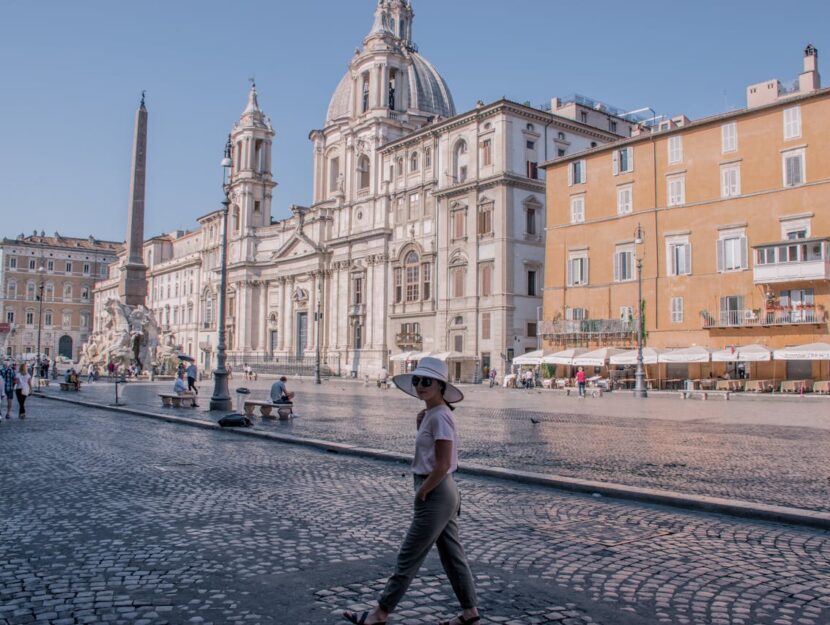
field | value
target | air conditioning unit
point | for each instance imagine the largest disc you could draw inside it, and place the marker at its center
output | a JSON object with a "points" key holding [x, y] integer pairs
{"points": [[749, 315]]}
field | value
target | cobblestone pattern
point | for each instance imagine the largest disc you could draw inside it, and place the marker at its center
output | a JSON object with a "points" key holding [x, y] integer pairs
{"points": [[112, 519], [769, 464]]}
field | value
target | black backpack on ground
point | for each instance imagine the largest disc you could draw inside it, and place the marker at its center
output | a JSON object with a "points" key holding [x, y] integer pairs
{"points": [[235, 421]]}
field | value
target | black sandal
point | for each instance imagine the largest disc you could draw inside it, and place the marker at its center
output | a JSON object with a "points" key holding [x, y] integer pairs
{"points": [[352, 617], [463, 621]]}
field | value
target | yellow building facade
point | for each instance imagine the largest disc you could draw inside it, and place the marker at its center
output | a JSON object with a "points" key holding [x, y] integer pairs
{"points": [[733, 214]]}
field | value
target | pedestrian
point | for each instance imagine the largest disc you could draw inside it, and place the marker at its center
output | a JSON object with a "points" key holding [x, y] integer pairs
{"points": [[7, 386], [110, 368], [580, 381], [45, 369], [22, 388], [437, 500], [90, 373], [191, 378], [493, 375]]}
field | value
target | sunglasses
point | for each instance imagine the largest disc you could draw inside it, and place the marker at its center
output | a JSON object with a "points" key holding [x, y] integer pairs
{"points": [[419, 381]]}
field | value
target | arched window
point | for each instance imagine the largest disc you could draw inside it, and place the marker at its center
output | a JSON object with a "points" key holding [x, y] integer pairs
{"points": [[30, 290], [412, 276], [363, 172], [11, 290], [364, 106], [459, 162], [67, 292], [427, 158], [49, 292], [85, 293], [413, 162]]}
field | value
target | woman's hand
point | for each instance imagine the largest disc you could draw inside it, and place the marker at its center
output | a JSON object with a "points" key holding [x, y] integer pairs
{"points": [[421, 495]]}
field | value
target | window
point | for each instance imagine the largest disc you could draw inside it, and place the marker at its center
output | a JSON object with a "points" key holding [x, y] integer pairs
{"points": [[576, 172], [560, 152], [85, 294], [50, 265], [576, 314], [84, 320], [427, 158], [358, 336], [624, 264], [67, 292], [426, 274], [411, 271], [398, 283], [428, 204], [530, 220], [792, 122], [12, 262], [487, 152], [68, 267], [457, 281], [363, 172], [86, 269], [731, 310], [414, 205], [30, 317], [67, 320], [357, 290], [364, 102], [626, 314], [486, 280], [32, 264], [531, 329], [624, 200], [460, 161], [729, 137], [458, 229], [9, 316], [578, 270], [577, 209], [730, 180], [485, 219], [413, 162], [485, 326], [623, 160], [531, 145], [732, 252], [677, 310], [47, 318], [583, 117], [30, 290], [532, 170], [793, 168], [676, 190], [399, 215], [675, 149], [612, 125], [531, 283], [679, 256], [334, 173], [458, 342]]}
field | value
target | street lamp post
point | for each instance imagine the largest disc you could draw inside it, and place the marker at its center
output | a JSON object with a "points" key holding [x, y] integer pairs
{"points": [[41, 273], [318, 318], [221, 399], [640, 374]]}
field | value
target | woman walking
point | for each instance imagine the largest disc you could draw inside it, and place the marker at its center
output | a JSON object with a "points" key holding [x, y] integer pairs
{"points": [[437, 501], [22, 388]]}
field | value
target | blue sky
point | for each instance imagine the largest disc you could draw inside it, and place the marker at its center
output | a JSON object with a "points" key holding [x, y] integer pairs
{"points": [[73, 72]]}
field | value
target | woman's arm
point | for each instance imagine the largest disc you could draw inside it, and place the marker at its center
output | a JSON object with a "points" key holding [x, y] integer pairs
{"points": [[443, 461]]}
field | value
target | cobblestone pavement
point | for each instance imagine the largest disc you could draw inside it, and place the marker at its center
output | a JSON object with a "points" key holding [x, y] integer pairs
{"points": [[107, 518], [768, 451]]}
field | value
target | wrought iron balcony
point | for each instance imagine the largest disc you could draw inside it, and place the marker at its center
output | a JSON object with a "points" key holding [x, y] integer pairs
{"points": [[781, 316], [357, 310], [408, 339]]}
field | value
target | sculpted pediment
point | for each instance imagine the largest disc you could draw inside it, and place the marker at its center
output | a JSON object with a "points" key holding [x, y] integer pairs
{"points": [[298, 245]]}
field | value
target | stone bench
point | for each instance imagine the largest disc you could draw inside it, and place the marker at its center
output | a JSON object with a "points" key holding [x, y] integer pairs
{"points": [[284, 409], [70, 386], [174, 400], [704, 394]]}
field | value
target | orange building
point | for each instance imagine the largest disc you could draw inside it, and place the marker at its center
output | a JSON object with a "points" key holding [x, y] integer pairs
{"points": [[734, 215]]}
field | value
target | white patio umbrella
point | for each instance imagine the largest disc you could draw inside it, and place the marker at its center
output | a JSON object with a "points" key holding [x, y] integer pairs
{"points": [[565, 357], [598, 357], [810, 351], [403, 356], [745, 353], [650, 355], [530, 358], [686, 355], [452, 356]]}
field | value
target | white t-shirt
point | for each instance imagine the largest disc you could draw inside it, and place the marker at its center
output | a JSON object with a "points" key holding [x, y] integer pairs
{"points": [[438, 425], [21, 381]]}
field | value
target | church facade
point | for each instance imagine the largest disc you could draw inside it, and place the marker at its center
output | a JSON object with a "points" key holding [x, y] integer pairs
{"points": [[425, 233]]}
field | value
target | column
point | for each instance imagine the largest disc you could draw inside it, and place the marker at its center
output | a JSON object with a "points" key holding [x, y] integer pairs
{"points": [[263, 317]]}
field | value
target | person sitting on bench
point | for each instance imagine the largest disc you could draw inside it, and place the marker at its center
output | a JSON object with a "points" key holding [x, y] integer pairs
{"points": [[279, 393], [180, 388]]}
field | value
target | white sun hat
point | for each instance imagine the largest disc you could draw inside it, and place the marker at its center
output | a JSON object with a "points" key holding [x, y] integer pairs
{"points": [[429, 368]]}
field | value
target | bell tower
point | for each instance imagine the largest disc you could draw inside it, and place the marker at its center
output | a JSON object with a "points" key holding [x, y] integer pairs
{"points": [[251, 179]]}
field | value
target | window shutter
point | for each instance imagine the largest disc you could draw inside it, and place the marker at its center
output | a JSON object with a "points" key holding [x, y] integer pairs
{"points": [[583, 171], [630, 159], [570, 273], [570, 174], [744, 253], [585, 269], [687, 249], [615, 162], [616, 267], [797, 178], [720, 254]]}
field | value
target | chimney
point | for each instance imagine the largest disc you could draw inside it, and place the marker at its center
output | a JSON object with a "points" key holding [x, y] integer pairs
{"points": [[809, 80]]}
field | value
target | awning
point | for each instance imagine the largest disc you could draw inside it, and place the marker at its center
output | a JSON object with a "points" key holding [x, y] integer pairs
{"points": [[598, 357], [445, 356], [565, 357], [403, 356], [530, 358], [810, 351], [685, 355], [650, 355], [746, 353]]}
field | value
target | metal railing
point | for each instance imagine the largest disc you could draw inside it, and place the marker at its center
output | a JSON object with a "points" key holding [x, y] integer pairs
{"points": [[286, 365], [758, 318]]}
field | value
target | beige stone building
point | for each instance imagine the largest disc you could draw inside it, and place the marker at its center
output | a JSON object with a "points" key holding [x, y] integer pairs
{"points": [[64, 270], [734, 212]]}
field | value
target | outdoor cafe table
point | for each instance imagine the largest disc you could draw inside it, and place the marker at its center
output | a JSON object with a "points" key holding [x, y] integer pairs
{"points": [[795, 386], [729, 385], [822, 386], [759, 386]]}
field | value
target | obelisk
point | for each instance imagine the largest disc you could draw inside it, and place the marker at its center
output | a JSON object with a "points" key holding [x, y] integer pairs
{"points": [[133, 286]]}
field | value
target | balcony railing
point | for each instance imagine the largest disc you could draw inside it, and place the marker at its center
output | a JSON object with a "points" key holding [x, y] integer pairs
{"points": [[587, 331], [408, 339], [755, 318]]}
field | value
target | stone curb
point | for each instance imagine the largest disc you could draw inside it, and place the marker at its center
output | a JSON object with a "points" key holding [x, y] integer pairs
{"points": [[743, 509]]}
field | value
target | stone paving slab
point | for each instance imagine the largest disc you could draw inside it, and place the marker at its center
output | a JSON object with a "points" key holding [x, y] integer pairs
{"points": [[109, 519], [730, 450]]}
